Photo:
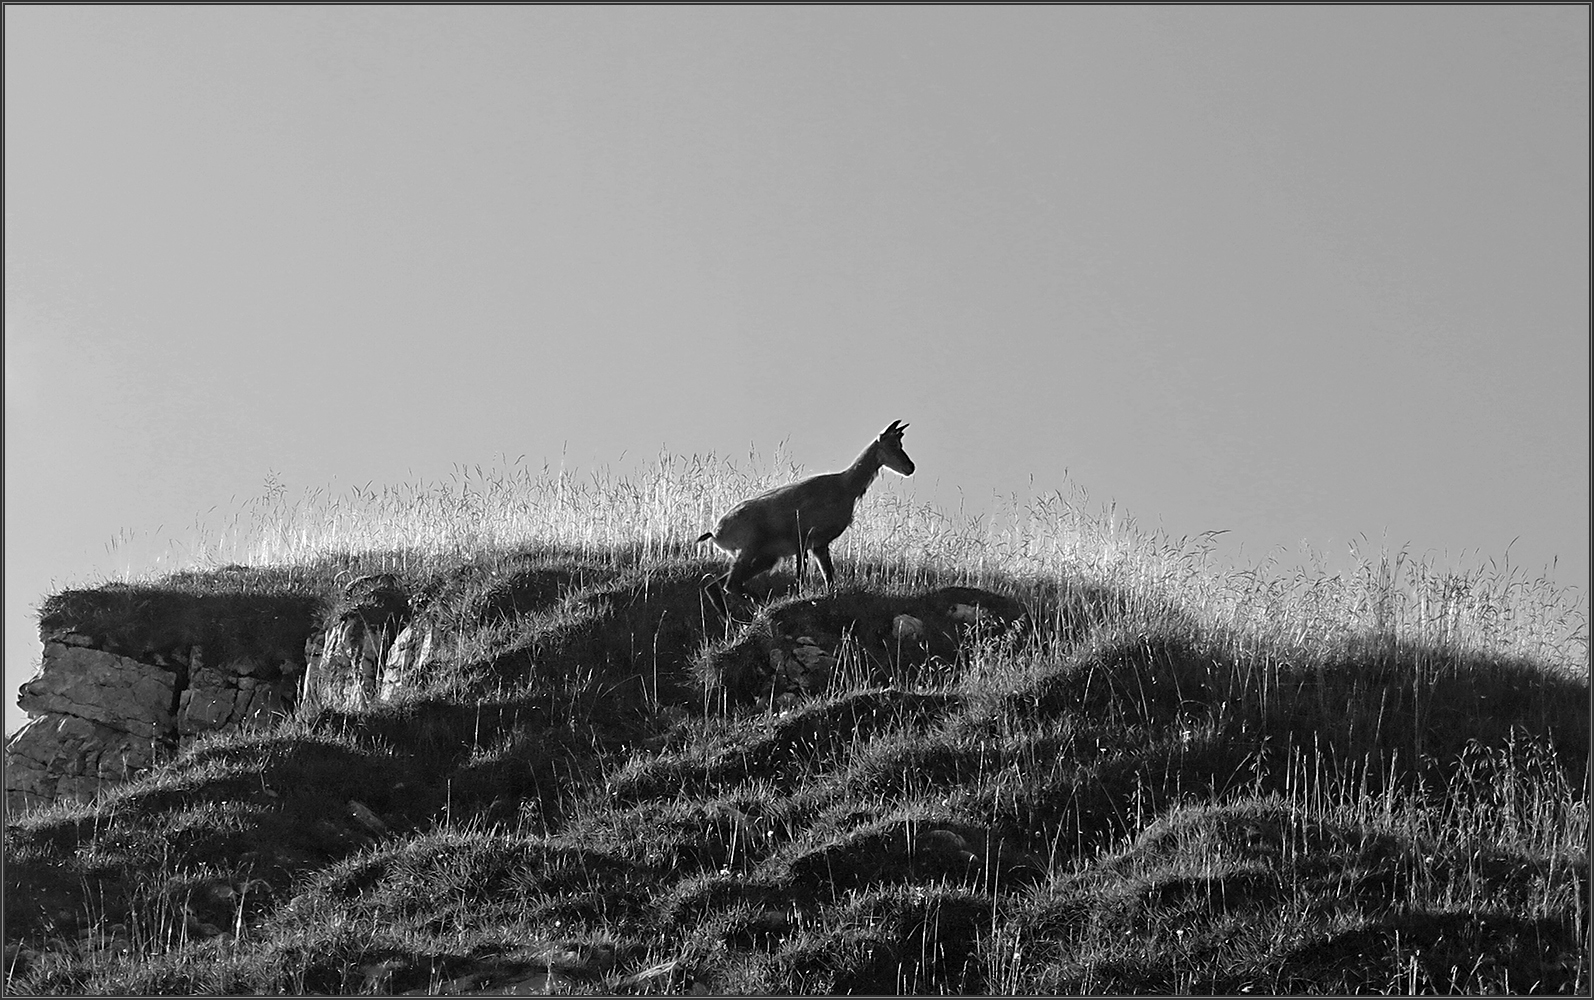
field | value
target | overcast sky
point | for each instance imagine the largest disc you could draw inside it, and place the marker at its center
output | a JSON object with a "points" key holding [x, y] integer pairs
{"points": [[1302, 273]]}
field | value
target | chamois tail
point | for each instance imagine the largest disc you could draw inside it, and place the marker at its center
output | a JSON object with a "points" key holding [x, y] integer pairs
{"points": [[705, 536]]}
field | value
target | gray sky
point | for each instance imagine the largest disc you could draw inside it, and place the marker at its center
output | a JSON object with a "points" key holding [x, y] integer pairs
{"points": [[1299, 273]]}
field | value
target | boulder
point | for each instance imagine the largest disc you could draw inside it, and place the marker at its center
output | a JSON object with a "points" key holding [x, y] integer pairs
{"points": [[409, 657], [115, 691], [906, 626], [346, 672], [66, 756]]}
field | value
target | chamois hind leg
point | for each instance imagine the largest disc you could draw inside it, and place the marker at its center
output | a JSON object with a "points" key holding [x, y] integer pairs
{"points": [[742, 569], [822, 553], [745, 568]]}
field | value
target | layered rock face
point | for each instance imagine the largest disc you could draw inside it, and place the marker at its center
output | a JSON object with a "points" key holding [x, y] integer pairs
{"points": [[100, 717], [128, 676]]}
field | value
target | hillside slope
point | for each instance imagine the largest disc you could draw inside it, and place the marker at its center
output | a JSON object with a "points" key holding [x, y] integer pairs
{"points": [[1035, 786]]}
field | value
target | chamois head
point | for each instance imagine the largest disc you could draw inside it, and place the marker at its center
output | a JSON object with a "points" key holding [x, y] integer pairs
{"points": [[889, 447]]}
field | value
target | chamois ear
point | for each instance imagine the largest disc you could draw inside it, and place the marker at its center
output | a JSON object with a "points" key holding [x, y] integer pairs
{"points": [[896, 428]]}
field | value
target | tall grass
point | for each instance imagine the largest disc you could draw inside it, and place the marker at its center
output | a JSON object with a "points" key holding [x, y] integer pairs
{"points": [[1212, 788], [1384, 597]]}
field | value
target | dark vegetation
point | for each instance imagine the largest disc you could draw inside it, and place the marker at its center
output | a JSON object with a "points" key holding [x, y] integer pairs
{"points": [[1109, 797], [232, 612]]}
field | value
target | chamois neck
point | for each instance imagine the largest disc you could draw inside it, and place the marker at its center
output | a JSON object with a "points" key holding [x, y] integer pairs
{"points": [[863, 470]]}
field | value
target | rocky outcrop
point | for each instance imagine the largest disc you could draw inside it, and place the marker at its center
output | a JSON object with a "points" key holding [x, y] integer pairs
{"points": [[101, 717], [360, 657], [129, 675]]}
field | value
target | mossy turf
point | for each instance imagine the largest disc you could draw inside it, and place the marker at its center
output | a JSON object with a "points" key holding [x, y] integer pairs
{"points": [[1110, 799]]}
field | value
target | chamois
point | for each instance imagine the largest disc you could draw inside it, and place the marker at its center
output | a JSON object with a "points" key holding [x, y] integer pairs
{"points": [[802, 517]]}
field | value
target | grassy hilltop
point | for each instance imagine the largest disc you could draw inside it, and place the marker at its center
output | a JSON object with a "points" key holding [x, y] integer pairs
{"points": [[1167, 777]]}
